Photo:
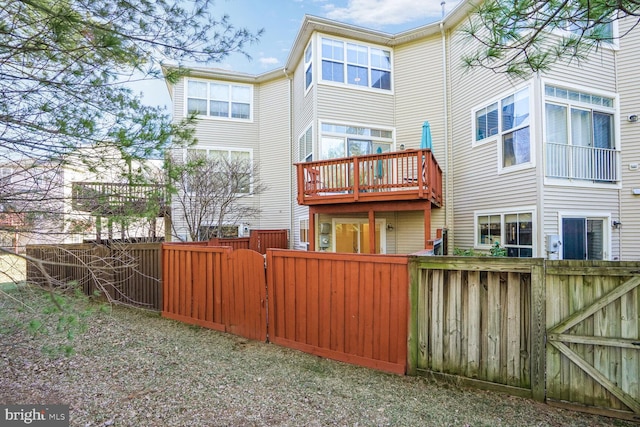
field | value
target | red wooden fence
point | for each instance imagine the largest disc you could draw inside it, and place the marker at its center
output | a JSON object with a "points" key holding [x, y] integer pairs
{"points": [[348, 307], [215, 287]]}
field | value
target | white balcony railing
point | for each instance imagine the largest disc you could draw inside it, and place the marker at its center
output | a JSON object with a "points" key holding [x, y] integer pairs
{"points": [[583, 163]]}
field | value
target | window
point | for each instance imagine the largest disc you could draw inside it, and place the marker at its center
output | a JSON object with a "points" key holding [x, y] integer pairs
{"points": [[308, 66], [207, 232], [511, 230], [356, 64], [303, 231], [508, 121], [306, 145], [579, 135], [217, 99], [339, 141], [236, 163], [584, 237]]}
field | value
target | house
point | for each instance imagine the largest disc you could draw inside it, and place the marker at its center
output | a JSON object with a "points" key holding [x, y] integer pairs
{"points": [[65, 200], [545, 166]]}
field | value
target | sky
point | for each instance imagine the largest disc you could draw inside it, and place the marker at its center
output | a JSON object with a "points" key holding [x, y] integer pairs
{"points": [[281, 20]]}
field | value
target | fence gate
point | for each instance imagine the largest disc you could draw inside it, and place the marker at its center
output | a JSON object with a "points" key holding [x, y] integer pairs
{"points": [[215, 287], [593, 339], [247, 295]]}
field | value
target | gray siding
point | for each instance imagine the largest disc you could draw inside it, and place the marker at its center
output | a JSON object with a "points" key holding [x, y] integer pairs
{"points": [[629, 87]]}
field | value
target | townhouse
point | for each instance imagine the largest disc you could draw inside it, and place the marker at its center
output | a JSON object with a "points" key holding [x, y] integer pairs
{"points": [[545, 166]]}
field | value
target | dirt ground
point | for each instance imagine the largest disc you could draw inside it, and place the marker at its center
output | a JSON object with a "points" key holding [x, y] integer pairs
{"points": [[134, 368]]}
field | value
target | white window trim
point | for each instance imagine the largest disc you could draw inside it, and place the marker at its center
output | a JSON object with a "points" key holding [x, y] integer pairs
{"points": [[317, 57], [208, 117], [304, 134], [320, 134], [229, 149], [312, 63], [502, 212], [381, 221], [498, 137], [615, 110], [605, 216]]}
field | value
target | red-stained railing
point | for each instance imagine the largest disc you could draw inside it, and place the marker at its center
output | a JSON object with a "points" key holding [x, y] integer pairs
{"points": [[401, 175]]}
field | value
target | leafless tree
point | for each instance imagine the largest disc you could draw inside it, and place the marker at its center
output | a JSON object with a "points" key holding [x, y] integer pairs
{"points": [[213, 192]]}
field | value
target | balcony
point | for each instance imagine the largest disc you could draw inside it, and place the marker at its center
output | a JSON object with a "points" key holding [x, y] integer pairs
{"points": [[387, 177], [110, 199], [582, 163]]}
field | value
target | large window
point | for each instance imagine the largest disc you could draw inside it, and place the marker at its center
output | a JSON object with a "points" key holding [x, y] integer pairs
{"points": [[344, 141], [356, 64], [236, 163], [508, 121], [579, 135], [218, 99], [511, 230]]}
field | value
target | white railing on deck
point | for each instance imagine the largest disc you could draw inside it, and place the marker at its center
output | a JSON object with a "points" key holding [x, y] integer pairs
{"points": [[583, 163]]}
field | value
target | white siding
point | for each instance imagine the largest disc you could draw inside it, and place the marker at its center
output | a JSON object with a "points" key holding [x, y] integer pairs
{"points": [[629, 87]]}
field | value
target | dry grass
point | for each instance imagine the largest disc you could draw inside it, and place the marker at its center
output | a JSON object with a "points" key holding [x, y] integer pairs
{"points": [[133, 368]]}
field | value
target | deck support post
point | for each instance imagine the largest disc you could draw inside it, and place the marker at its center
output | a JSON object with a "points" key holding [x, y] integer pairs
{"points": [[427, 226], [312, 230]]}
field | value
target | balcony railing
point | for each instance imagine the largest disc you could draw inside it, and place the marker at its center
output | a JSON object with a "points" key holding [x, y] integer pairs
{"points": [[401, 175], [108, 198], [582, 163]]}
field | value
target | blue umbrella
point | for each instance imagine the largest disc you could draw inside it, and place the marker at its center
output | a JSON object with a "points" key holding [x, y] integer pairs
{"points": [[426, 136], [379, 171]]}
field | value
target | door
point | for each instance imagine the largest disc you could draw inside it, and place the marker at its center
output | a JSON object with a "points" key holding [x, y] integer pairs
{"points": [[351, 235], [584, 238]]}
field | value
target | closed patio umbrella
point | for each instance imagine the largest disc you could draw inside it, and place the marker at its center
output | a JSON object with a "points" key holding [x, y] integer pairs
{"points": [[426, 136], [379, 171]]}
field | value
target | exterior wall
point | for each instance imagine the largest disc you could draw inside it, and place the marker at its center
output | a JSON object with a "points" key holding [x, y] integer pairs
{"points": [[303, 114], [476, 181], [235, 134], [628, 62], [419, 97], [274, 156], [479, 184]]}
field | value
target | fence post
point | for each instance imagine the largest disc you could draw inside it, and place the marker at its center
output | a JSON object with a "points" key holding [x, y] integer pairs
{"points": [[538, 330], [412, 329]]}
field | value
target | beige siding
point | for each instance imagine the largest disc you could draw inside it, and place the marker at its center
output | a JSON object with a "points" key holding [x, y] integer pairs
{"points": [[581, 201], [274, 158], [303, 115], [419, 93], [476, 182], [352, 105], [629, 87]]}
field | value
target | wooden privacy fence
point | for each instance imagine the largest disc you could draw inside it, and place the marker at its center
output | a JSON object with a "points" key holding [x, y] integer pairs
{"points": [[128, 273], [216, 287], [349, 307], [564, 331]]}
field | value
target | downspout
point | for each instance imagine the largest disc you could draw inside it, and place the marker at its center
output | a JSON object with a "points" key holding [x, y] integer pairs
{"points": [[448, 214], [619, 166], [291, 160]]}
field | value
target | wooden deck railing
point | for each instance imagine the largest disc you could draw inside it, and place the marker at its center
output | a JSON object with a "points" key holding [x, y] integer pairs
{"points": [[401, 175], [109, 198]]}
